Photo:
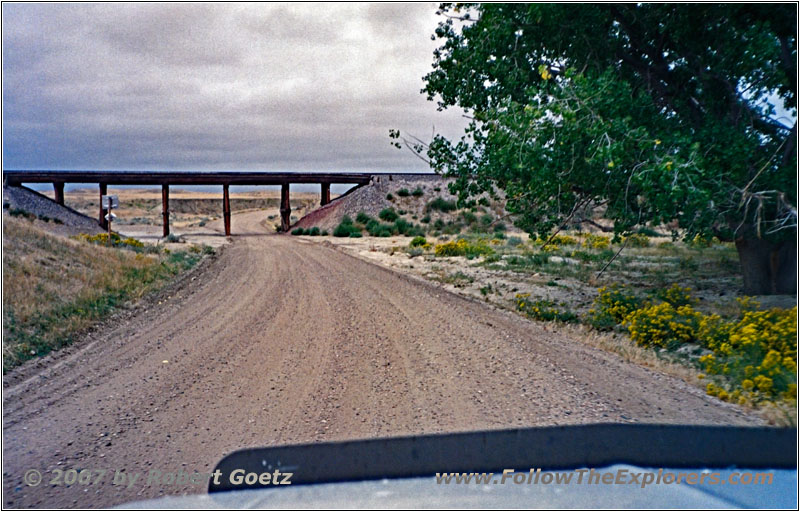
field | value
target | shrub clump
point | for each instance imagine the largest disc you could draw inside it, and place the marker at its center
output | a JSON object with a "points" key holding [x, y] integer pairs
{"points": [[418, 241], [418, 192], [441, 204], [379, 229], [663, 325], [298, 231], [756, 355], [463, 247], [403, 192], [638, 240], [363, 218], [591, 241], [347, 228], [543, 309], [677, 296], [750, 359], [116, 240], [612, 305], [388, 214]]}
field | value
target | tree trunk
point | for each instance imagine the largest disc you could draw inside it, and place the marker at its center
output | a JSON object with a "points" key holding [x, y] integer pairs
{"points": [[768, 268]]}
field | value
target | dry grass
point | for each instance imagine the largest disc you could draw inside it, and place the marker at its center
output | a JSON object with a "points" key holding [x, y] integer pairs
{"points": [[54, 287]]}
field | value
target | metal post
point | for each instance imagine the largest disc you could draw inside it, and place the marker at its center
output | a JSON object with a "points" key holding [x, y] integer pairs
{"points": [[108, 241], [226, 209], [58, 188], [103, 191], [165, 208], [286, 209], [326, 194]]}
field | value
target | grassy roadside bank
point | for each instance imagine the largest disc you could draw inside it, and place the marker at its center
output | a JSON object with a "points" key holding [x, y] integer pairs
{"points": [[55, 287]]}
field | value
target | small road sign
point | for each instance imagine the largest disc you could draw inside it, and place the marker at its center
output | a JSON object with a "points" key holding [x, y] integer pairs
{"points": [[111, 216], [113, 199]]}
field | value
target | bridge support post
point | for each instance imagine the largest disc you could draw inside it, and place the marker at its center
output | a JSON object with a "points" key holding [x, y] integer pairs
{"points": [[226, 209], [58, 189], [326, 194], [102, 219], [165, 208], [286, 209]]}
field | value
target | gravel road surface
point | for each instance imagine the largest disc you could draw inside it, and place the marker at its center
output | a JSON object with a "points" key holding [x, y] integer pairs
{"points": [[284, 341]]}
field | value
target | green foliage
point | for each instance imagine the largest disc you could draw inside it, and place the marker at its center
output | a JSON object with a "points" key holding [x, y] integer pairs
{"points": [[543, 309], [388, 214], [638, 240], [426, 219], [346, 228], [663, 111], [298, 231], [403, 192], [314, 231], [389, 197], [18, 212], [418, 192], [535, 259], [441, 204], [363, 218], [417, 241], [377, 228], [612, 305]]}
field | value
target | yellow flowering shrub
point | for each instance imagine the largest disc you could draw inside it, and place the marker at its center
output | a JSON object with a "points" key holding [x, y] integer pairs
{"points": [[700, 242], [757, 353], [116, 240], [677, 296], [663, 325], [463, 247], [556, 243], [612, 305], [591, 241], [563, 240]]}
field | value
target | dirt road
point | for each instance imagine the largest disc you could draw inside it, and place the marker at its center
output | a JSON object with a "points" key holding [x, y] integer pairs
{"points": [[283, 341]]}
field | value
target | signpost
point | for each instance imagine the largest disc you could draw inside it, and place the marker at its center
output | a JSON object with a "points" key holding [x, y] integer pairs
{"points": [[109, 202]]}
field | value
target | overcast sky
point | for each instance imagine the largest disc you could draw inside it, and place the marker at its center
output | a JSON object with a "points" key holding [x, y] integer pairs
{"points": [[222, 86]]}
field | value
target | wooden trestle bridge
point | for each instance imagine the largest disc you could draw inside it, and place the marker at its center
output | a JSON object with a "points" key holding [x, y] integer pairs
{"points": [[166, 178]]}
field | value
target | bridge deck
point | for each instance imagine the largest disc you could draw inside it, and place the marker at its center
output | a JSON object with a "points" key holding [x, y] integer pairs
{"points": [[16, 177]]}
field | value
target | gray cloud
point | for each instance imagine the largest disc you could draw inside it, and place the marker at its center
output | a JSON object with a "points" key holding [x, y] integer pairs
{"points": [[216, 86]]}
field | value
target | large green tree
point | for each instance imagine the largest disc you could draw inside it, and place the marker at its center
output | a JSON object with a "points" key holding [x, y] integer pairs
{"points": [[659, 114]]}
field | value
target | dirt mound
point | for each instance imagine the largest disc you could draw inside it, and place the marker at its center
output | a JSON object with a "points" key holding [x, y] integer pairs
{"points": [[410, 194], [19, 200]]}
